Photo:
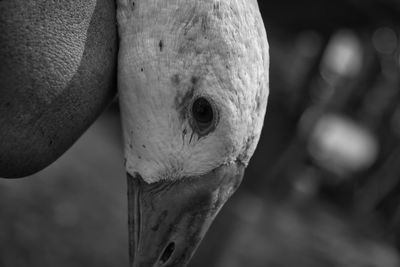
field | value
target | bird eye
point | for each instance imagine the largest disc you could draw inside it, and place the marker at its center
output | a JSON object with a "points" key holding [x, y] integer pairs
{"points": [[203, 116]]}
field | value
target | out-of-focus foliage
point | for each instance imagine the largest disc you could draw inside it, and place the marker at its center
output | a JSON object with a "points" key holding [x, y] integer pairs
{"points": [[323, 188]]}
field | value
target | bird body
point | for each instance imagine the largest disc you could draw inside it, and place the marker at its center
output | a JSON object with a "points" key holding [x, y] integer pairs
{"points": [[57, 74], [193, 87]]}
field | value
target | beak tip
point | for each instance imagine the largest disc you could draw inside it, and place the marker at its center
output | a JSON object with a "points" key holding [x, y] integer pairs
{"points": [[167, 220]]}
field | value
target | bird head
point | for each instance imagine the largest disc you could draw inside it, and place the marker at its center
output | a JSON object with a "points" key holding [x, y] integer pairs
{"points": [[193, 88]]}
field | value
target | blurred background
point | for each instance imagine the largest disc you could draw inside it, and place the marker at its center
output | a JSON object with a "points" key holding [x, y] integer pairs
{"points": [[323, 188]]}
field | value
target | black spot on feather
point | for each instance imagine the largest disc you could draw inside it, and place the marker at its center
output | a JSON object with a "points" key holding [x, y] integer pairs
{"points": [[161, 45], [216, 6], [194, 80]]}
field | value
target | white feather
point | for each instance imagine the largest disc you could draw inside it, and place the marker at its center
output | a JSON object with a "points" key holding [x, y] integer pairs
{"points": [[172, 51]]}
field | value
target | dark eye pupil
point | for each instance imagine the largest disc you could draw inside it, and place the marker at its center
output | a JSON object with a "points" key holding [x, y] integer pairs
{"points": [[202, 112]]}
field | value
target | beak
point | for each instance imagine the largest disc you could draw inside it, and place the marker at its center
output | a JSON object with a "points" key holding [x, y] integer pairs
{"points": [[168, 219]]}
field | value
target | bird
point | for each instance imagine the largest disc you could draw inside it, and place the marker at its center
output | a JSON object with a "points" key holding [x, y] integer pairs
{"points": [[193, 88]]}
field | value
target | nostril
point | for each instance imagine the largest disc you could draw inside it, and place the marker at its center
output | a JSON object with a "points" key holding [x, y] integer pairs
{"points": [[167, 253]]}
